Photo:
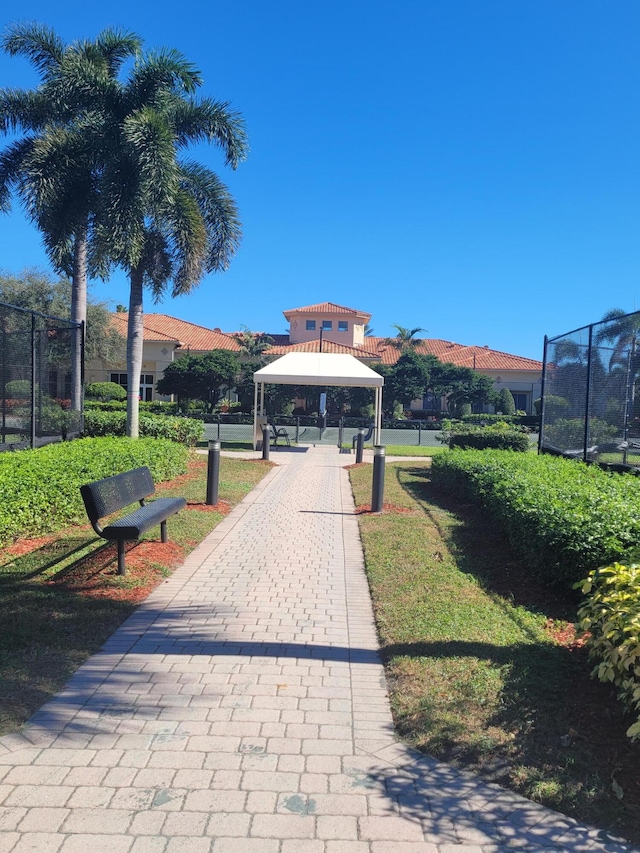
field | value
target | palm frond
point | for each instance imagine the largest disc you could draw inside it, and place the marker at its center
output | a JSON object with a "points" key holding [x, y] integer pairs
{"points": [[37, 42], [212, 121]]}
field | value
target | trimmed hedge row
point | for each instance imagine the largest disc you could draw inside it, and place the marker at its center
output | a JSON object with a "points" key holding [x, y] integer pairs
{"points": [[490, 439], [564, 518], [41, 488], [610, 619], [186, 431]]}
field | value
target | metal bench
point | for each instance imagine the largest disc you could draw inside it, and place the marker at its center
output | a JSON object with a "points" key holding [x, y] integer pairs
{"points": [[279, 432], [115, 493]]}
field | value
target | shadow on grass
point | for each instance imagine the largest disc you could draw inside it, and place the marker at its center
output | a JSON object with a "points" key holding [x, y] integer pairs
{"points": [[41, 560], [482, 550]]}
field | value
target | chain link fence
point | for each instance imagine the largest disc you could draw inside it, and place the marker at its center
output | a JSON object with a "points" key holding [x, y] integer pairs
{"points": [[35, 378], [590, 403]]}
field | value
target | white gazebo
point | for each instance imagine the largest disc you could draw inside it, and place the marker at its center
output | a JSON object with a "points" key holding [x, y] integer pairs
{"points": [[318, 368]]}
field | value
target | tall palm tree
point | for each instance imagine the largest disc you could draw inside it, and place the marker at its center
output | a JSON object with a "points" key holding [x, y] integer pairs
{"points": [[53, 168], [405, 339], [252, 344], [162, 218]]}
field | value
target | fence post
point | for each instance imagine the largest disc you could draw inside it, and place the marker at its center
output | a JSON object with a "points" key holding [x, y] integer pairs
{"points": [[419, 433], [542, 393], [340, 431], [213, 473], [33, 381], [377, 492], [587, 402], [297, 429], [218, 427], [265, 442]]}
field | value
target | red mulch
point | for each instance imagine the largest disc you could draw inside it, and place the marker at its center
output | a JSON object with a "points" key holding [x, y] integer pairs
{"points": [[222, 507], [25, 546]]}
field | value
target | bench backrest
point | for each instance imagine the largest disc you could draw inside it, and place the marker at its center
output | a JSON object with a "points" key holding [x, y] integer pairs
{"points": [[113, 493]]}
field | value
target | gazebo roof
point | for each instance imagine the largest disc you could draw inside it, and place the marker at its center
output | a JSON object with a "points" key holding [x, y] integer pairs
{"points": [[319, 368]]}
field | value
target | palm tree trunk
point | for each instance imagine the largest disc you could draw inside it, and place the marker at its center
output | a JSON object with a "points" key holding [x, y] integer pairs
{"points": [[135, 335], [78, 315]]}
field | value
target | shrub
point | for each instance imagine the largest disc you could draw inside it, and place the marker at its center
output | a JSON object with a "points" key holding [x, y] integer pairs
{"points": [[18, 388], [484, 419], [569, 432], [105, 391], [563, 518], [183, 430], [505, 403], [491, 438], [610, 619], [41, 488]]}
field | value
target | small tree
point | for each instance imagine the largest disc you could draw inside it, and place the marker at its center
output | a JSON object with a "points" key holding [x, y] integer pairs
{"points": [[200, 377], [505, 404]]}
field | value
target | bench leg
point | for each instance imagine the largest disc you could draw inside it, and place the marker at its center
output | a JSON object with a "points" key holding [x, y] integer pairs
{"points": [[121, 567], [163, 531]]}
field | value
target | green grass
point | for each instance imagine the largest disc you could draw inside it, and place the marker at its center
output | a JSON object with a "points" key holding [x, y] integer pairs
{"points": [[414, 450], [477, 676], [61, 601]]}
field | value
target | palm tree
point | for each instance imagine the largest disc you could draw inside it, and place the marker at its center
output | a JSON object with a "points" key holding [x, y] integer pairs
{"points": [[252, 344], [53, 168], [405, 339], [162, 218]]}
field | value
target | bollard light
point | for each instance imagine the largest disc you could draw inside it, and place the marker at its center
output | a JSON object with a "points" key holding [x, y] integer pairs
{"points": [[377, 491], [213, 472], [360, 445], [265, 442]]}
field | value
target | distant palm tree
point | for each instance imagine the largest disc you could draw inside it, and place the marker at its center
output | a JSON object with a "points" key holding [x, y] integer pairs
{"points": [[368, 331], [252, 344], [405, 339]]}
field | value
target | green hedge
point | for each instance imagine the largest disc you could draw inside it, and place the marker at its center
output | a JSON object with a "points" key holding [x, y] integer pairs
{"points": [[183, 430], [610, 620], [155, 407], [41, 488], [563, 517], [490, 439]]}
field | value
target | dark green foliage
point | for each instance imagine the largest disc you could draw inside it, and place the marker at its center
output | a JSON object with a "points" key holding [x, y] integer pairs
{"points": [[563, 517], [105, 391], [505, 404], [200, 377], [490, 439], [41, 488], [187, 431]]}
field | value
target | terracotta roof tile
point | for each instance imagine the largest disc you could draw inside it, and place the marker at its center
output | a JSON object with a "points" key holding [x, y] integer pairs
{"points": [[479, 358], [327, 346], [327, 308], [162, 327]]}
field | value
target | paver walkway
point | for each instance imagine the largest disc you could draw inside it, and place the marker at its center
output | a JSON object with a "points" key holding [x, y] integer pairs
{"points": [[243, 708]]}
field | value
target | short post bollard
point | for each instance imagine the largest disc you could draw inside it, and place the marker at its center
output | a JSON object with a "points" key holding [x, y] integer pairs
{"points": [[265, 442], [377, 492], [359, 445], [213, 473]]}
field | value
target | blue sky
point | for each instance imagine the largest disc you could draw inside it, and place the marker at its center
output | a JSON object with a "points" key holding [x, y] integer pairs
{"points": [[468, 167]]}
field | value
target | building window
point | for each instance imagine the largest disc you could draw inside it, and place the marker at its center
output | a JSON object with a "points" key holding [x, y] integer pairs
{"points": [[311, 325], [521, 399], [327, 325], [120, 379], [146, 386], [343, 325]]}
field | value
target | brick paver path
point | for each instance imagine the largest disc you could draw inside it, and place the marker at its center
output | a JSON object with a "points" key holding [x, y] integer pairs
{"points": [[243, 708]]}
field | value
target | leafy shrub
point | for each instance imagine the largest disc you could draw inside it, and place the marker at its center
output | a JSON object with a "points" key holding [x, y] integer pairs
{"points": [[155, 407], [491, 438], [18, 388], [483, 419], [183, 430], [563, 517], [610, 616], [41, 488], [569, 432], [505, 403], [104, 391]]}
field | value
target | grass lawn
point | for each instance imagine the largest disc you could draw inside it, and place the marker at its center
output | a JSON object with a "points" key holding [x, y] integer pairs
{"points": [[414, 450], [61, 596], [483, 664]]}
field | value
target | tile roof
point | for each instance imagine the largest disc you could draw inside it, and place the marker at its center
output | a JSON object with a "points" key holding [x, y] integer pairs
{"points": [[161, 327], [327, 308], [479, 358], [327, 346]]}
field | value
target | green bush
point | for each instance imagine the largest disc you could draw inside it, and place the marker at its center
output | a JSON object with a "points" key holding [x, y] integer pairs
{"points": [[41, 488], [18, 388], [569, 432], [483, 419], [610, 620], [505, 404], [490, 439], [155, 407], [183, 430], [563, 518], [104, 391]]}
